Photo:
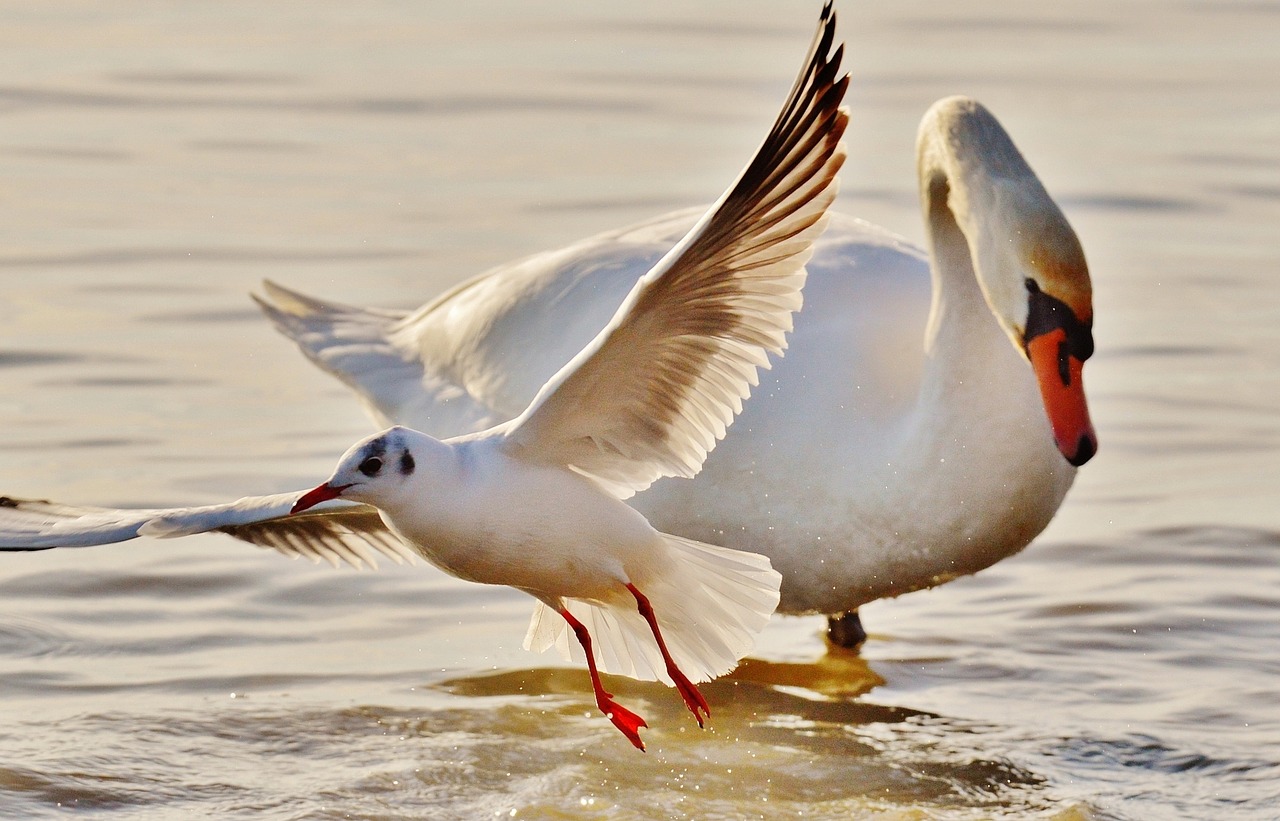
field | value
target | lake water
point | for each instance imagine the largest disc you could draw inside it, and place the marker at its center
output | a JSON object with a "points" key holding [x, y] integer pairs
{"points": [[158, 160]]}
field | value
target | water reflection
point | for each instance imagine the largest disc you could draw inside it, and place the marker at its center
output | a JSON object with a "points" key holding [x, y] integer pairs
{"points": [[533, 744], [797, 735]]}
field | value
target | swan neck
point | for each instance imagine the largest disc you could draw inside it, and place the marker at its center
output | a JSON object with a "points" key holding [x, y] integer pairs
{"points": [[958, 302], [973, 371], [970, 174]]}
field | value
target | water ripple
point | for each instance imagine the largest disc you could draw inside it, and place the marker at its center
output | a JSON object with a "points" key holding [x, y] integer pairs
{"points": [[135, 256], [32, 97]]}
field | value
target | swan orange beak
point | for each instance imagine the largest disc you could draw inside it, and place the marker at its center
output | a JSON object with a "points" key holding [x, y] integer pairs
{"points": [[1060, 374], [311, 498]]}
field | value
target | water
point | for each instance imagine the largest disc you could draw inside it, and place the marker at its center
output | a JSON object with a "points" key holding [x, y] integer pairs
{"points": [[160, 159]]}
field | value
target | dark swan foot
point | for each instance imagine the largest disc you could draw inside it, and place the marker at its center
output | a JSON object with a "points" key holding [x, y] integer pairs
{"points": [[845, 630]]}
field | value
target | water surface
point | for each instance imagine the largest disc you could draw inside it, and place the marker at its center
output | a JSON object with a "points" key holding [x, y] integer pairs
{"points": [[159, 160]]}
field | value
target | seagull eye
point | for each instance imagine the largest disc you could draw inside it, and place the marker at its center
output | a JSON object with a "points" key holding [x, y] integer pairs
{"points": [[371, 466]]}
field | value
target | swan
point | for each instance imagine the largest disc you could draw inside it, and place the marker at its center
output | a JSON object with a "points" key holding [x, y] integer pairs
{"points": [[868, 463]]}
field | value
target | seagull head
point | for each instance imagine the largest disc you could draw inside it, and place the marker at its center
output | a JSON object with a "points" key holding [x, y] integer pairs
{"points": [[374, 470]]}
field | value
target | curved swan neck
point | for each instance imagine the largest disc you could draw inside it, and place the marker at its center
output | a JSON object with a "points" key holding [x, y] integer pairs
{"points": [[973, 184], [977, 191], [959, 136], [991, 221], [963, 155]]}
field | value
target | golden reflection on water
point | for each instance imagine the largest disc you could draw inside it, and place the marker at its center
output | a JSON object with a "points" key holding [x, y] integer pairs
{"points": [[840, 673], [785, 740]]}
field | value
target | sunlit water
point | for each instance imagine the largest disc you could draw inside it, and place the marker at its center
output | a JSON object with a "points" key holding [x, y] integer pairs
{"points": [[159, 159]]}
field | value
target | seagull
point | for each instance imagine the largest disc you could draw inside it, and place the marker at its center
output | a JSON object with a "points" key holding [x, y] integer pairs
{"points": [[537, 502]]}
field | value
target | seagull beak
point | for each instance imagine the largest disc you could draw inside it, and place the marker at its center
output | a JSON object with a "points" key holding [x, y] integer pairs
{"points": [[1060, 375], [311, 498]]}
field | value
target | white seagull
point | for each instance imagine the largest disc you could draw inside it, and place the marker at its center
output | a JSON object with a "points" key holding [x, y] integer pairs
{"points": [[536, 502], [869, 463]]}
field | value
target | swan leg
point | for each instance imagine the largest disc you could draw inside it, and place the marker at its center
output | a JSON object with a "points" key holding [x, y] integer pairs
{"points": [[692, 698], [845, 630], [625, 720]]}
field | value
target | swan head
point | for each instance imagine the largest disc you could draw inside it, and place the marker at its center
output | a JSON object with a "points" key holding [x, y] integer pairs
{"points": [[379, 470], [1056, 336], [1043, 298], [988, 208], [1037, 284]]}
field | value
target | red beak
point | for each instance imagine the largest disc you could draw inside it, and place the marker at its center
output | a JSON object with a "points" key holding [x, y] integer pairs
{"points": [[311, 498], [1062, 391]]}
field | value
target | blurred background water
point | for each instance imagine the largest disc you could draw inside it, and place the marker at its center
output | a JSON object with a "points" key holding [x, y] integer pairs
{"points": [[159, 159]]}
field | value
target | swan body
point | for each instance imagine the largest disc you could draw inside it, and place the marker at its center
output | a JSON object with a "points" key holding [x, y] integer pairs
{"points": [[923, 426]]}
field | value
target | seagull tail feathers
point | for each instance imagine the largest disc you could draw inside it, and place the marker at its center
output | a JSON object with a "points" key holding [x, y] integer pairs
{"points": [[710, 604]]}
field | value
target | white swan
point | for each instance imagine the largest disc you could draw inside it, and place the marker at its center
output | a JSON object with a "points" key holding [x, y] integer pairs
{"points": [[866, 465]]}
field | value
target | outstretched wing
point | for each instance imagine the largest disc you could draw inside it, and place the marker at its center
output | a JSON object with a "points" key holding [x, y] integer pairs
{"points": [[335, 532], [657, 388]]}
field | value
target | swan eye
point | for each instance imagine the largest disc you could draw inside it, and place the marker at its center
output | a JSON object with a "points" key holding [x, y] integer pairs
{"points": [[1046, 313], [371, 466]]}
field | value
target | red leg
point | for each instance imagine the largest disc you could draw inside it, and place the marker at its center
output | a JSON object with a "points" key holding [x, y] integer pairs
{"points": [[692, 698], [625, 720]]}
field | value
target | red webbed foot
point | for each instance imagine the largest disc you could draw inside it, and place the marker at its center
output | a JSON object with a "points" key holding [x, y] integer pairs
{"points": [[692, 698], [626, 721]]}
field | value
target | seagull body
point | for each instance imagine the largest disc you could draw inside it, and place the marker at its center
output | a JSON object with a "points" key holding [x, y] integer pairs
{"points": [[486, 516], [536, 502]]}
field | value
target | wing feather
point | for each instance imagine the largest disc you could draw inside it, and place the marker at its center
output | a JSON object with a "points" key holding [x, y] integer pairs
{"points": [[658, 387], [336, 532]]}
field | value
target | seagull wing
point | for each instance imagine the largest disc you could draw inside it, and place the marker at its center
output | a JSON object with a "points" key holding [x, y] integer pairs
{"points": [[652, 394], [335, 531]]}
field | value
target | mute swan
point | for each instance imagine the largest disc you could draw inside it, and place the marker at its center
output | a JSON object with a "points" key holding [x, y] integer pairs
{"points": [[535, 502], [867, 464]]}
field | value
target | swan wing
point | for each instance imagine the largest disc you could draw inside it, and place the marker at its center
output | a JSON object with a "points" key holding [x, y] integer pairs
{"points": [[657, 388], [462, 362]]}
